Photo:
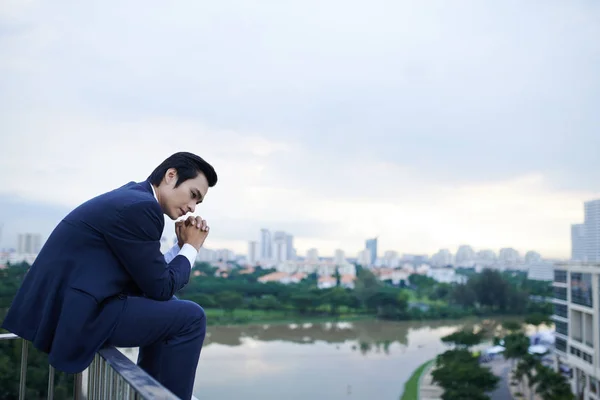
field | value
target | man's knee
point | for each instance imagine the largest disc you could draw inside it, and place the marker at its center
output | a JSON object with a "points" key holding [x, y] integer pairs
{"points": [[195, 315]]}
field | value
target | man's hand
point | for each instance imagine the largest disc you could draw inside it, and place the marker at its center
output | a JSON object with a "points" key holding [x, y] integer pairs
{"points": [[193, 231]]}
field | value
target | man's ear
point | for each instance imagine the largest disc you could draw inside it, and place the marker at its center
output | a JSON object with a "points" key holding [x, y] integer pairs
{"points": [[171, 176]]}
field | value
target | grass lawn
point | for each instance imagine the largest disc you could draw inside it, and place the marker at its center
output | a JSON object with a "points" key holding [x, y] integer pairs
{"points": [[411, 388]]}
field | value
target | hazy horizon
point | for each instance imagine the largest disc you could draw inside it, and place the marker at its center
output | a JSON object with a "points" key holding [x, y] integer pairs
{"points": [[428, 125]]}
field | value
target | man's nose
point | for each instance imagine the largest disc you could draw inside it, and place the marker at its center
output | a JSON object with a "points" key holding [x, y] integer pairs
{"points": [[191, 207]]}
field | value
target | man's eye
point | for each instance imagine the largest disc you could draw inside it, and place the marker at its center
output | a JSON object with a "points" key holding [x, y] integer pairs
{"points": [[193, 195]]}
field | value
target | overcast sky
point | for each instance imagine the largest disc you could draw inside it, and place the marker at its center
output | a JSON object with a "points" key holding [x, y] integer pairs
{"points": [[427, 123]]}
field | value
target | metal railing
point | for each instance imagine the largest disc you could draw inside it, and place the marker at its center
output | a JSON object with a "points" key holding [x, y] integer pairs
{"points": [[111, 375]]}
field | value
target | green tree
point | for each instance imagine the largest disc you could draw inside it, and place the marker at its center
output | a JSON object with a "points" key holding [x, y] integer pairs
{"points": [[526, 368], [229, 301], [516, 346], [511, 326], [461, 376], [537, 319], [464, 339]]}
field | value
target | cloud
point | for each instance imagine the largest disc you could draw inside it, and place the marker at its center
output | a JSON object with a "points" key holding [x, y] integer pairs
{"points": [[339, 120]]}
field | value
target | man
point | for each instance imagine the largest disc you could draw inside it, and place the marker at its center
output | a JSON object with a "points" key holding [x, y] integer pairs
{"points": [[101, 278]]}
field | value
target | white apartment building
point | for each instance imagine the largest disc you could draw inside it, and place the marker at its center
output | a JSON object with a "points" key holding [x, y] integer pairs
{"points": [[253, 255], [578, 242], [592, 230], [465, 254], [29, 243], [577, 319]]}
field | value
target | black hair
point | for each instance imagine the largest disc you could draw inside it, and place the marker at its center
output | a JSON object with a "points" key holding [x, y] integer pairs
{"points": [[188, 166]]}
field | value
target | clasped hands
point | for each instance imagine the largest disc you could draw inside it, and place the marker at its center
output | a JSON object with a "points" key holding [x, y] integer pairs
{"points": [[192, 230]]}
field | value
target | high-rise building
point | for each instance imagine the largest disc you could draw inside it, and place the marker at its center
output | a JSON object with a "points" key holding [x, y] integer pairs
{"points": [[442, 258], [578, 242], [532, 257], [312, 255], [266, 252], [291, 252], [464, 254], [339, 257], [252, 252], [29, 243], [509, 255], [577, 325], [280, 247], [364, 258], [486, 255], [592, 231], [371, 246]]}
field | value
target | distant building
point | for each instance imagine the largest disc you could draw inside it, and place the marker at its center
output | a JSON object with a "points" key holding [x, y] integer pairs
{"points": [[532, 257], [509, 256], [29, 243], [465, 255], [541, 271], [578, 242], [265, 245], [371, 246], [312, 255], [252, 252], [339, 257], [280, 247], [442, 258], [592, 231]]}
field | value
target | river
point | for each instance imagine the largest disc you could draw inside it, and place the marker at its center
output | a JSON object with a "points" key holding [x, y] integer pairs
{"points": [[326, 360]]}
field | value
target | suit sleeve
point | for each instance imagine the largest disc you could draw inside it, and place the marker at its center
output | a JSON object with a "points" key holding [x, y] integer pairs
{"points": [[134, 237]]}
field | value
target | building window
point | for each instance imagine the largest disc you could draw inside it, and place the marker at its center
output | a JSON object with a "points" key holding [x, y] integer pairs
{"points": [[561, 310], [560, 293], [593, 386], [560, 345], [560, 275], [562, 328], [581, 289]]}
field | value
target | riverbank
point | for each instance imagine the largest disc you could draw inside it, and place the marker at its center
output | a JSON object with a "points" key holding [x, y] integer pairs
{"points": [[219, 317], [411, 388]]}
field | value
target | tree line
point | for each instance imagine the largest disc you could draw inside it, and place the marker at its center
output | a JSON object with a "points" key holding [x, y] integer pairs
{"points": [[488, 293]]}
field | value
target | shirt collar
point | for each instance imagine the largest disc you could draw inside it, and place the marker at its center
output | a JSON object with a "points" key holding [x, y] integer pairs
{"points": [[153, 192]]}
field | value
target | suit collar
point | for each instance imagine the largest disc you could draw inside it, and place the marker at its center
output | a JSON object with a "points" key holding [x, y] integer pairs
{"points": [[147, 186]]}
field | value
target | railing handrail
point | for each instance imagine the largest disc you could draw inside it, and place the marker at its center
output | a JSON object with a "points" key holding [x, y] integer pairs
{"points": [[139, 381], [145, 385]]}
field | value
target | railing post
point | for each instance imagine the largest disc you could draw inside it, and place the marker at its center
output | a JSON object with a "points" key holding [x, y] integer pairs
{"points": [[22, 385], [50, 382], [77, 387]]}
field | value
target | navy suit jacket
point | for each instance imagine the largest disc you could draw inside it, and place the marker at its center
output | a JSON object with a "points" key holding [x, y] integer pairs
{"points": [[103, 251]]}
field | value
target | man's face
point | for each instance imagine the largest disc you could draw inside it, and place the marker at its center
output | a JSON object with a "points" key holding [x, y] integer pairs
{"points": [[180, 200]]}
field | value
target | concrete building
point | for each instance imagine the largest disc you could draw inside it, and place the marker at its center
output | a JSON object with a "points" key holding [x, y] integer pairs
{"points": [[312, 255], [252, 252], [592, 231], [578, 242], [266, 253], [464, 255], [339, 257], [29, 243], [540, 271], [508, 256], [532, 257], [442, 258], [280, 247], [371, 246], [577, 320]]}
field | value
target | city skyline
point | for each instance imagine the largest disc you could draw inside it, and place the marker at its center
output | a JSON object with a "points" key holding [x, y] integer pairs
{"points": [[426, 125]]}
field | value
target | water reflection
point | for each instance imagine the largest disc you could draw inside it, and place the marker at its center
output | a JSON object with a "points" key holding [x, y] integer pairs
{"points": [[331, 360], [369, 335]]}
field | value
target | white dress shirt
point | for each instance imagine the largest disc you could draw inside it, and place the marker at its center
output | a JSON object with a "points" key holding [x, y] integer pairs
{"points": [[186, 250]]}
